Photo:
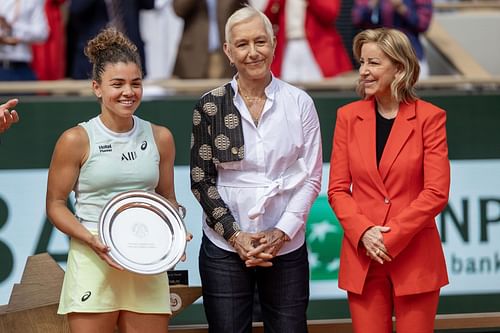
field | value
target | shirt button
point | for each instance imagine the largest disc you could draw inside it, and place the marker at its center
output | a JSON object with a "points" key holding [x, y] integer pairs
{"points": [[387, 201], [234, 150]]}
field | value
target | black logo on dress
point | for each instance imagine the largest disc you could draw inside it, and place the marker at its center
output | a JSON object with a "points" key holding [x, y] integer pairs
{"points": [[86, 296], [105, 148], [130, 156], [144, 145]]}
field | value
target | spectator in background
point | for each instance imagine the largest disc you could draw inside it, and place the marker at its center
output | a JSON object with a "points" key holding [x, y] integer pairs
{"points": [[88, 17], [49, 58], [413, 17], [200, 50], [308, 45], [21, 24], [160, 51], [8, 117]]}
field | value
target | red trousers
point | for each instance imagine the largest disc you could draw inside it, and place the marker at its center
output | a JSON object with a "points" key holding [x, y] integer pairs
{"points": [[372, 311]]}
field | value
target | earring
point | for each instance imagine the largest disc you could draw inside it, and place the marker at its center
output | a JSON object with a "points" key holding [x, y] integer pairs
{"points": [[231, 64]]}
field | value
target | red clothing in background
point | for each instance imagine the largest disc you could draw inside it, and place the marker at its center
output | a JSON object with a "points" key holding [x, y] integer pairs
{"points": [[49, 60], [324, 40]]}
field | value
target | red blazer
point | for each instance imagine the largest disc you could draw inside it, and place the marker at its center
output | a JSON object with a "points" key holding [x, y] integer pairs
{"points": [[324, 41], [406, 192]]}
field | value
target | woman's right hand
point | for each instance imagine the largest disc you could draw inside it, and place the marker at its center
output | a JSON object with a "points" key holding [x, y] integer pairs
{"points": [[102, 251], [8, 117], [245, 242]]}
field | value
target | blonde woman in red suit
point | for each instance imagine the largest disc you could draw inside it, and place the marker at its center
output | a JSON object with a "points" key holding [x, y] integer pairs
{"points": [[389, 178]]}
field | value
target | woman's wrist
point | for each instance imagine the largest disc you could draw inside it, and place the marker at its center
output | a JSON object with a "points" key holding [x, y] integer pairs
{"points": [[284, 237], [232, 239]]}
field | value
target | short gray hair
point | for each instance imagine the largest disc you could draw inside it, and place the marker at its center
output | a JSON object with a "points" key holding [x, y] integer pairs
{"points": [[244, 14]]}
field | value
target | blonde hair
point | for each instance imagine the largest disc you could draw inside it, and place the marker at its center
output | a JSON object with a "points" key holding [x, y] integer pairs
{"points": [[243, 14], [110, 46], [398, 48]]}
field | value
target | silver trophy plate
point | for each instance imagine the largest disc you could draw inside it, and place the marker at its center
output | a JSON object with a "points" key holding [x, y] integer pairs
{"points": [[145, 233]]}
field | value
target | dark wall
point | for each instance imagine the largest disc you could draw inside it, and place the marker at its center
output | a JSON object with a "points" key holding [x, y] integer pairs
{"points": [[473, 125]]}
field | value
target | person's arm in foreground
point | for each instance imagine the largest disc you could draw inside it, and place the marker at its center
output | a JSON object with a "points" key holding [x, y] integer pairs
{"points": [[8, 116], [69, 153]]}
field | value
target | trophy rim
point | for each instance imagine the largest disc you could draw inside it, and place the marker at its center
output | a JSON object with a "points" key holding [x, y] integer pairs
{"points": [[153, 203]]}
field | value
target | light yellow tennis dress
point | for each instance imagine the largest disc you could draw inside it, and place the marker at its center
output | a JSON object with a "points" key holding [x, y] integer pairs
{"points": [[117, 162]]}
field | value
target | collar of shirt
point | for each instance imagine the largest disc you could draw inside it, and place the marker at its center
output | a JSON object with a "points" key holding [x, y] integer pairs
{"points": [[274, 145], [269, 91]]}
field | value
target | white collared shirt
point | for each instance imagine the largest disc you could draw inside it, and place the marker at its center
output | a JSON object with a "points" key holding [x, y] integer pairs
{"points": [[281, 169], [295, 20], [29, 24], [213, 28]]}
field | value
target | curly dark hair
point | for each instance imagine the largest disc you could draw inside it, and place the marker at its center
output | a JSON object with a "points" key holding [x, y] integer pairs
{"points": [[110, 46]]}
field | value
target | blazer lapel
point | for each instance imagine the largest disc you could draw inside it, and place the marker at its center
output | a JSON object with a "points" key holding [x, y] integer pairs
{"points": [[365, 137], [398, 137]]}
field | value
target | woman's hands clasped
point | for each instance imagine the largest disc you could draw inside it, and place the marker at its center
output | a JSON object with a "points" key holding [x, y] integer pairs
{"points": [[373, 242], [258, 249]]}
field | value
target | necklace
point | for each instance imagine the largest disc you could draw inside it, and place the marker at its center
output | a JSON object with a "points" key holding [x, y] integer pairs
{"points": [[247, 97], [255, 108], [254, 104], [389, 113], [253, 99]]}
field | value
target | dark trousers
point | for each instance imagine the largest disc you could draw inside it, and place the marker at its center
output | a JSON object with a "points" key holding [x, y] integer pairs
{"points": [[228, 291], [16, 71]]}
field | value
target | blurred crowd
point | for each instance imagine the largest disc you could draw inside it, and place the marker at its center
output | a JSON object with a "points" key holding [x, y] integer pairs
{"points": [[44, 39]]}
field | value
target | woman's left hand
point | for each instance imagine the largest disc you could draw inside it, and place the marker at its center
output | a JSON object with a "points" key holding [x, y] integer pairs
{"points": [[270, 244], [189, 237], [373, 242], [102, 251]]}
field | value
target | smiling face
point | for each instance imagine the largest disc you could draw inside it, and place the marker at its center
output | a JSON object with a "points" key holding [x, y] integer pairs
{"points": [[120, 89], [251, 49], [376, 71]]}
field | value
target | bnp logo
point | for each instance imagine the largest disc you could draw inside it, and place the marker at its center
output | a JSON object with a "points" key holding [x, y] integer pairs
{"points": [[324, 237]]}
